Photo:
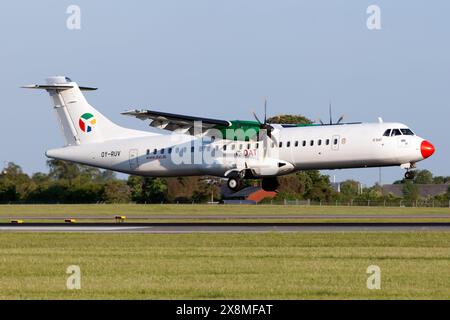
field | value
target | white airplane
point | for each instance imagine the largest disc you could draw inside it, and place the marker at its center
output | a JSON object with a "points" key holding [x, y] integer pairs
{"points": [[194, 146]]}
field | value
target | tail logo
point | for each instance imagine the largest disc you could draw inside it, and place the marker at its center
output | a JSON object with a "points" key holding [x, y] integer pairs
{"points": [[87, 122]]}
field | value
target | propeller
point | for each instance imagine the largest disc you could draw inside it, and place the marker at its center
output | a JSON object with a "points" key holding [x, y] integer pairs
{"points": [[264, 125], [331, 118], [267, 129]]}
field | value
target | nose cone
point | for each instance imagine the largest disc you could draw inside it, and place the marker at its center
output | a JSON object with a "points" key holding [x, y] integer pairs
{"points": [[427, 149]]}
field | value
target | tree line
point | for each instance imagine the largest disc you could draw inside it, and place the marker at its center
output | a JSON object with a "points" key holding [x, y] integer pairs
{"points": [[68, 182]]}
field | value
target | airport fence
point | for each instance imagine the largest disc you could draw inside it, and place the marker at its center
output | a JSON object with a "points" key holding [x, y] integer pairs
{"points": [[366, 203], [279, 202]]}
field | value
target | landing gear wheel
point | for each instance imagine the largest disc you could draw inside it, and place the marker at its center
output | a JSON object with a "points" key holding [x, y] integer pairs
{"points": [[270, 184], [234, 184], [409, 175]]}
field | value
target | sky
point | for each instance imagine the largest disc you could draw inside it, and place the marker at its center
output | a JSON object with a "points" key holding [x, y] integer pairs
{"points": [[221, 59]]}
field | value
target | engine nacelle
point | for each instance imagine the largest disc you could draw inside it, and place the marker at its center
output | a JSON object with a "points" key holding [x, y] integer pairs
{"points": [[269, 167]]}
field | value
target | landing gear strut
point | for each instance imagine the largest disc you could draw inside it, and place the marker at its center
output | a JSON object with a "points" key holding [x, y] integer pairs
{"points": [[409, 175], [270, 184]]}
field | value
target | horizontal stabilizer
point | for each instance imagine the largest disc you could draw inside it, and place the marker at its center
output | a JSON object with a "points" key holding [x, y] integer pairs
{"points": [[56, 87]]}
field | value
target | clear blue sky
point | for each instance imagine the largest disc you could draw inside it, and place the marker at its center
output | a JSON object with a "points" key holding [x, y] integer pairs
{"points": [[221, 58]]}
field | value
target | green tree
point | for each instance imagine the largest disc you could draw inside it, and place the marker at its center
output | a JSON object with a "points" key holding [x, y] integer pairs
{"points": [[289, 119], [305, 185], [423, 177], [153, 190], [135, 184], [13, 174], [66, 170], [8, 192], [116, 191], [349, 189], [411, 191], [147, 190]]}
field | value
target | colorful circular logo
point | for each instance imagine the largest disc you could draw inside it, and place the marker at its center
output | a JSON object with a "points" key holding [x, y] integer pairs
{"points": [[87, 122]]}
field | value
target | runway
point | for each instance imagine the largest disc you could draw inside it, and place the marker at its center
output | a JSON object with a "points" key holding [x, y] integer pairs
{"points": [[211, 227]]}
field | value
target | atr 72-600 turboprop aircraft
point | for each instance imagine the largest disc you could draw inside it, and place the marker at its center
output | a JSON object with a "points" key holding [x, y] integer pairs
{"points": [[236, 150]]}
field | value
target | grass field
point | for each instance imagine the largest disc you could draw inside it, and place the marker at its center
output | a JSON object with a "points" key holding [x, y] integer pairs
{"points": [[108, 211], [225, 266]]}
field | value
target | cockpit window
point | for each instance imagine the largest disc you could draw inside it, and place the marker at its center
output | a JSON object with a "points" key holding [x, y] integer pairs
{"points": [[387, 133], [396, 132], [407, 132]]}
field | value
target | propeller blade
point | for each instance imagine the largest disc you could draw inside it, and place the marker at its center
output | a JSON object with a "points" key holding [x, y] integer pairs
{"points": [[340, 119], [257, 119], [331, 116], [265, 111]]}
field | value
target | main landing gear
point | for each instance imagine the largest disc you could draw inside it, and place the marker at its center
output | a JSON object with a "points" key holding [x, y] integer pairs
{"points": [[234, 184], [268, 184]]}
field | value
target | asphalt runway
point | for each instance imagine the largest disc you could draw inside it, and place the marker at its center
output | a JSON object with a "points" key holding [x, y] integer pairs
{"points": [[226, 227]]}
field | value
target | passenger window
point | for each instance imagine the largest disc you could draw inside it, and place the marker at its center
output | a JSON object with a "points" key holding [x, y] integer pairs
{"points": [[296, 143], [288, 144], [319, 142], [327, 142], [240, 146], [335, 141], [304, 143], [257, 145], [233, 146], [155, 151], [162, 151], [311, 143], [169, 150], [192, 149], [224, 147], [148, 151], [387, 133], [281, 144], [249, 146], [396, 132]]}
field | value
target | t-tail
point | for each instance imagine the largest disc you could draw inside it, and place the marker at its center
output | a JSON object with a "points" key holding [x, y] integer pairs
{"points": [[79, 121]]}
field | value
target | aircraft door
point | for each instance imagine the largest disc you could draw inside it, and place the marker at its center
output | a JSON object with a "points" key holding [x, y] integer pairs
{"points": [[134, 161], [335, 143]]}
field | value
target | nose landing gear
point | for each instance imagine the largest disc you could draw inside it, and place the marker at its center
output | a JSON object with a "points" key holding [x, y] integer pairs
{"points": [[409, 175]]}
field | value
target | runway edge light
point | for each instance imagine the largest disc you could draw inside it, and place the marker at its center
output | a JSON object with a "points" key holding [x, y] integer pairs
{"points": [[120, 218]]}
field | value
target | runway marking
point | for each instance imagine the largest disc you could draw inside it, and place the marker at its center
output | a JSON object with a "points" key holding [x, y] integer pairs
{"points": [[228, 227]]}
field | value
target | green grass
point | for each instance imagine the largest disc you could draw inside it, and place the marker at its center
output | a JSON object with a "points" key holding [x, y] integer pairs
{"points": [[186, 209], [108, 211], [225, 266]]}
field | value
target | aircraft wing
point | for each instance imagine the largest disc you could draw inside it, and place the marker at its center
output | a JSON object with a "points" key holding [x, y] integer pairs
{"points": [[176, 122]]}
